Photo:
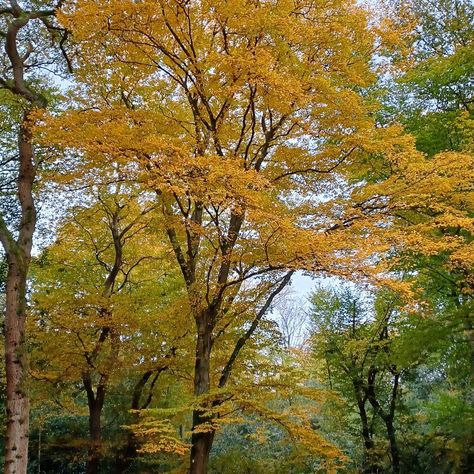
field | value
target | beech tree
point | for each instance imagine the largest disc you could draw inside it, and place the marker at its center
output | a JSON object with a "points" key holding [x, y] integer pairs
{"points": [[237, 113], [252, 125]]}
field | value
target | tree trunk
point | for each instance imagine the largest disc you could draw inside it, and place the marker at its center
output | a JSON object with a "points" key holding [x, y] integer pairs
{"points": [[390, 427], [17, 404], [393, 445], [95, 402], [18, 251], [201, 447], [201, 442], [369, 465], [129, 453], [18, 256], [388, 416], [94, 455]]}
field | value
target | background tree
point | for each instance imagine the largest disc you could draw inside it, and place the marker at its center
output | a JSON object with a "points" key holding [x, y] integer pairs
{"points": [[355, 344], [91, 294], [292, 320], [436, 107], [435, 94]]}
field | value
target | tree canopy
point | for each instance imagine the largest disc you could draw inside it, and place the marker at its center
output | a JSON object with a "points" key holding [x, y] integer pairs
{"points": [[171, 170]]}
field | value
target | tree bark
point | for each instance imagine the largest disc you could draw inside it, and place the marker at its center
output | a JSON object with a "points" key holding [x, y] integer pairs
{"points": [[201, 447], [201, 441], [18, 250], [18, 254], [17, 403], [93, 456]]}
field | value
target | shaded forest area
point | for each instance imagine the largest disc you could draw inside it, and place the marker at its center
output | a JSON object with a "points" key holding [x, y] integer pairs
{"points": [[171, 171]]}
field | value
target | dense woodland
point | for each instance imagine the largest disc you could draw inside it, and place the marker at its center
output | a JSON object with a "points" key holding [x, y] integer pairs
{"points": [[173, 172]]}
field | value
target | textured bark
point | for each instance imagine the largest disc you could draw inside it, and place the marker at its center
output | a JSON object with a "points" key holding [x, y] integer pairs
{"points": [[18, 247], [17, 404], [18, 256]]}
